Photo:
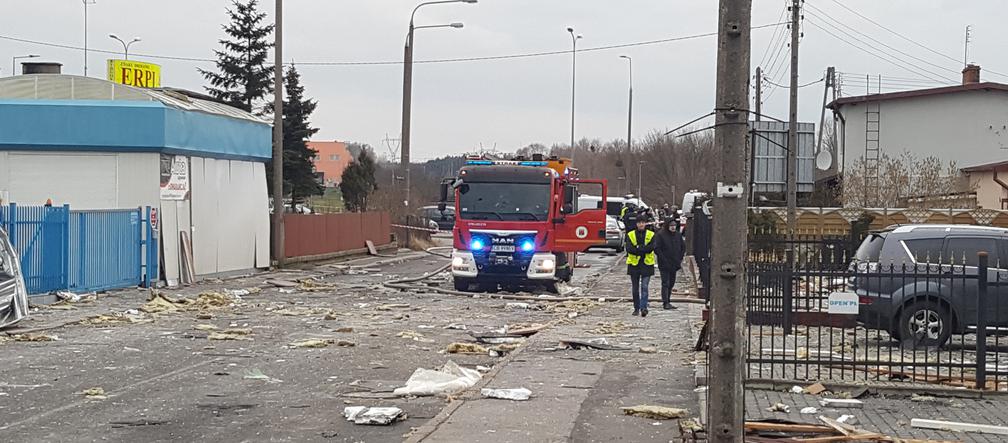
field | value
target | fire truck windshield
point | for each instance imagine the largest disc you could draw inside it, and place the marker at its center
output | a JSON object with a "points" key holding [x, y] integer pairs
{"points": [[504, 201]]}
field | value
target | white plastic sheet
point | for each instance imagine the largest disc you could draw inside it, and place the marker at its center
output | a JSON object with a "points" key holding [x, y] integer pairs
{"points": [[13, 295], [449, 379]]}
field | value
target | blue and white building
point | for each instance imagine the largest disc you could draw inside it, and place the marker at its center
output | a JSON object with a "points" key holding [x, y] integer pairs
{"points": [[95, 144]]}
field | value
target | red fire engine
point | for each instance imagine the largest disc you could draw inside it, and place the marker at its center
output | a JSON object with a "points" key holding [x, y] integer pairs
{"points": [[517, 222]]}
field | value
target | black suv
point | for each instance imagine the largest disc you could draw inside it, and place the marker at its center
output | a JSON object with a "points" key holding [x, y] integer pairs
{"points": [[919, 281], [445, 222]]}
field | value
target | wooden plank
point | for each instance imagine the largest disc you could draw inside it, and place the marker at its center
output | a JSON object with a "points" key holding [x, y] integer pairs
{"points": [[958, 426], [787, 427]]}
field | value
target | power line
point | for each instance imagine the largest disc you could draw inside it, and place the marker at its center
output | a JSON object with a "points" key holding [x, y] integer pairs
{"points": [[399, 62], [901, 63], [773, 38], [800, 86], [831, 19], [904, 37]]}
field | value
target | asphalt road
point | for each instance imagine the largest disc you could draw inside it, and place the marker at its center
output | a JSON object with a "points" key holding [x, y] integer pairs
{"points": [[165, 379]]}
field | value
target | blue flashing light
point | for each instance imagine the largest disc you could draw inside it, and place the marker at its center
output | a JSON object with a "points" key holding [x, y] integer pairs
{"points": [[476, 244], [528, 245], [479, 162]]}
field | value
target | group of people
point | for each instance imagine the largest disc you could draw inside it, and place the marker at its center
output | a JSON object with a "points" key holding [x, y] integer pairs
{"points": [[646, 248]]}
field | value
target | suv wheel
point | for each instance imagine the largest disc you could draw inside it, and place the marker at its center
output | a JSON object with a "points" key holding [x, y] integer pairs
{"points": [[925, 323]]}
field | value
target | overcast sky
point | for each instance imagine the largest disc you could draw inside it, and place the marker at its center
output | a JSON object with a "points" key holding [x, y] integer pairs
{"points": [[458, 107]]}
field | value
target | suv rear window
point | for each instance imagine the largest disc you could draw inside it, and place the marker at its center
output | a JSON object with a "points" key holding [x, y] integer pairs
{"points": [[870, 249]]}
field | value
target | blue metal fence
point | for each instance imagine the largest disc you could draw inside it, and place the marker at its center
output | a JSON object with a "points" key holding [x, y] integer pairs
{"points": [[82, 251], [39, 235]]}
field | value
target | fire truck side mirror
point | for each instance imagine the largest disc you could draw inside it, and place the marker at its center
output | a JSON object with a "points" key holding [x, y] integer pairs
{"points": [[567, 208]]}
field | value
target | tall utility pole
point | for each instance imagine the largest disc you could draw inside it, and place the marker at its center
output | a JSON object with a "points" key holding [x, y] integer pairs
{"points": [[966, 46], [86, 3], [629, 124], [726, 391], [759, 93], [574, 39], [278, 204], [792, 161]]}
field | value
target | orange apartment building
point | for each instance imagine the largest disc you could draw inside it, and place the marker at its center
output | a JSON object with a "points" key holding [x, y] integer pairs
{"points": [[331, 158]]}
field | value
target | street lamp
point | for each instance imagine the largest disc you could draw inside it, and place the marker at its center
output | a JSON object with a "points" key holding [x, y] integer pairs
{"points": [[125, 44], [16, 58], [629, 124], [574, 39], [86, 3], [407, 105]]}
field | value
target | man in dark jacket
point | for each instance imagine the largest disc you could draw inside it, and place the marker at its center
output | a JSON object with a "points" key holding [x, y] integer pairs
{"points": [[670, 248], [641, 259]]}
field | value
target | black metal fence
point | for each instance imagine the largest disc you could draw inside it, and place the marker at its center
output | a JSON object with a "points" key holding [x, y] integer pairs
{"points": [[813, 320]]}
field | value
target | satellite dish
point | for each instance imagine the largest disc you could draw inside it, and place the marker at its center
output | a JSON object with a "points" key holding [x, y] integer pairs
{"points": [[824, 160]]}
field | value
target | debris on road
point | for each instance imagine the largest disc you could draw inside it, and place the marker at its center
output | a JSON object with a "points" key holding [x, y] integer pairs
{"points": [[256, 374], [34, 337], [282, 283], [809, 410], [519, 394], [779, 407], [321, 343], [815, 389], [413, 335], [242, 292], [115, 319], [13, 294], [465, 348], [525, 329], [364, 415], [456, 326], [648, 350], [517, 306], [598, 343], [952, 426], [95, 393], [496, 338], [392, 306], [655, 412], [344, 329], [609, 328], [840, 403], [797, 390], [73, 297], [449, 379], [231, 334], [204, 327]]}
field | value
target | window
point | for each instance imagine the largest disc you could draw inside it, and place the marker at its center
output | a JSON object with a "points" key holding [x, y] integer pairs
{"points": [[870, 249], [964, 250], [926, 250], [334, 157], [505, 201]]}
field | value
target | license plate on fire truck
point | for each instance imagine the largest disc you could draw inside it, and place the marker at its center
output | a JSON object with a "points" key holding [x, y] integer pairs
{"points": [[502, 248]]}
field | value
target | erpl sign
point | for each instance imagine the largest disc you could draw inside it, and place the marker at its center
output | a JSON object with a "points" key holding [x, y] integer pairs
{"points": [[133, 73]]}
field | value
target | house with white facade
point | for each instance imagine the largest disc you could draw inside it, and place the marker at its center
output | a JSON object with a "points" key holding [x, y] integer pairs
{"points": [[965, 123]]}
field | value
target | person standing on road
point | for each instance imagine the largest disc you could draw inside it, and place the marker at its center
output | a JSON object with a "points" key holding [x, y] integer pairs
{"points": [[641, 259], [628, 216], [670, 248]]}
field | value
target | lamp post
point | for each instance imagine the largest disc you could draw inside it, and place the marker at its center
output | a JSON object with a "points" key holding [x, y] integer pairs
{"points": [[19, 57], [629, 124], [86, 3], [407, 105], [124, 44], [574, 39]]}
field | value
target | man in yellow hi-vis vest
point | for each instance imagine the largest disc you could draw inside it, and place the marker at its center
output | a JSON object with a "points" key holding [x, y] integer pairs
{"points": [[641, 259]]}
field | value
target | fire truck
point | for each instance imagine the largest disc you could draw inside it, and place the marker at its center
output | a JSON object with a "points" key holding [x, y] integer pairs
{"points": [[517, 223]]}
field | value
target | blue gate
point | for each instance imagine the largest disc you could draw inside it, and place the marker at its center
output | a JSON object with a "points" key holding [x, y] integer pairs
{"points": [[39, 235], [82, 251]]}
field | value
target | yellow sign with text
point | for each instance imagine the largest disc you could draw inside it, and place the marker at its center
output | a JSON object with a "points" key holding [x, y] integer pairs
{"points": [[133, 73]]}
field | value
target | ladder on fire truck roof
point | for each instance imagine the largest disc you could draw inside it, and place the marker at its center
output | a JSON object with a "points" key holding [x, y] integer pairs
{"points": [[873, 149]]}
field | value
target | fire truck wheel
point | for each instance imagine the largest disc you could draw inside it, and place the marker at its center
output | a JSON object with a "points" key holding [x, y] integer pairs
{"points": [[551, 287], [461, 284]]}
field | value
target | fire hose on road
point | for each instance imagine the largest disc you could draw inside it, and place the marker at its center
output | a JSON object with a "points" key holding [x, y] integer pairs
{"points": [[406, 284]]}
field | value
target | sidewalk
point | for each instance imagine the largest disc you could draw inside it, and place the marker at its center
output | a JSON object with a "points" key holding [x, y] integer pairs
{"points": [[577, 394]]}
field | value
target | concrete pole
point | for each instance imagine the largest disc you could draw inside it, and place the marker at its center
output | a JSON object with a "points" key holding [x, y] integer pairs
{"points": [[759, 93], [407, 106], [792, 162], [278, 204], [726, 390]]}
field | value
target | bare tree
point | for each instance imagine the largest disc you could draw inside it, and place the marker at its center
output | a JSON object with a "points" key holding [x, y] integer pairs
{"points": [[906, 180]]}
